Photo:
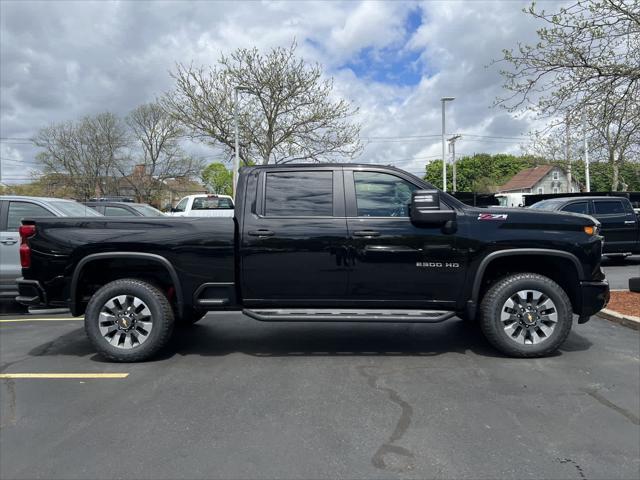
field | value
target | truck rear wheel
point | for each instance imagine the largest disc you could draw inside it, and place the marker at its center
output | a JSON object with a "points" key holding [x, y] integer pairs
{"points": [[128, 320], [526, 315]]}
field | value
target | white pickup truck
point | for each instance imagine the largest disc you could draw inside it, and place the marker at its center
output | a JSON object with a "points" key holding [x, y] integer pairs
{"points": [[204, 205]]}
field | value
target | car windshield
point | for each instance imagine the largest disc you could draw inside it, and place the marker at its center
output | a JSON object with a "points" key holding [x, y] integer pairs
{"points": [[212, 203], [147, 210], [546, 205], [75, 209]]}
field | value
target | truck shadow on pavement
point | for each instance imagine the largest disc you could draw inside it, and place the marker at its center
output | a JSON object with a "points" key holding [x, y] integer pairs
{"points": [[219, 337]]}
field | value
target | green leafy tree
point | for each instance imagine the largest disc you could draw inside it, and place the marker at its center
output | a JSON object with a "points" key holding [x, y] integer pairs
{"points": [[481, 173], [217, 177]]}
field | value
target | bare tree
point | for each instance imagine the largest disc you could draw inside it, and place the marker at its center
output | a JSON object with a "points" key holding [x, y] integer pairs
{"points": [[286, 109], [84, 153], [155, 153], [587, 61], [584, 52]]}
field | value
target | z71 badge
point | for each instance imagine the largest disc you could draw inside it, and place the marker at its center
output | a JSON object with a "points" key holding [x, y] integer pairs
{"points": [[492, 216]]}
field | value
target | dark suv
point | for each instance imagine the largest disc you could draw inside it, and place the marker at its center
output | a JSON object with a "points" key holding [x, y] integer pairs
{"points": [[619, 222]]}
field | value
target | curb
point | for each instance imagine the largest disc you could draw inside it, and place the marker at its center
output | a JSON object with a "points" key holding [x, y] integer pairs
{"points": [[626, 320]]}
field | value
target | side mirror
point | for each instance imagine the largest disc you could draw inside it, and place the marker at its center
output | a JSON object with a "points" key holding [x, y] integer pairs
{"points": [[425, 208], [173, 210]]}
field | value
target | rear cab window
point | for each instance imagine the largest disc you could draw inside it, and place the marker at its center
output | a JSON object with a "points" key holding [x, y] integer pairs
{"points": [[212, 203], [299, 194]]}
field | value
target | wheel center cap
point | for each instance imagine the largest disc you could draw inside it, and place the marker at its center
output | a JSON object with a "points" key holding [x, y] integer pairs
{"points": [[529, 318], [124, 322]]}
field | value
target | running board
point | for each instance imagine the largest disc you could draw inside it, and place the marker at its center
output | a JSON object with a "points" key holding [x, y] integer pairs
{"points": [[348, 315]]}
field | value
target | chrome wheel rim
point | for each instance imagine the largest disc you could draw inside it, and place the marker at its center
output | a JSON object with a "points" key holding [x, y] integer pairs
{"points": [[529, 317], [125, 322]]}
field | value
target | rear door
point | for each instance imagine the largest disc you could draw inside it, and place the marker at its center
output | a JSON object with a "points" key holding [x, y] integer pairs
{"points": [[11, 214], [293, 240], [619, 224]]}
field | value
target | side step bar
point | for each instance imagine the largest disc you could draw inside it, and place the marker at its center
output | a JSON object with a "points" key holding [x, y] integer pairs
{"points": [[348, 315]]}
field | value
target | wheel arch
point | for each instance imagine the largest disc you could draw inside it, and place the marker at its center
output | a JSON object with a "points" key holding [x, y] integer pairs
{"points": [[495, 258], [157, 260]]}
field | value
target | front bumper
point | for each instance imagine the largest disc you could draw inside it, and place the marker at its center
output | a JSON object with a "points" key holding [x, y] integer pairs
{"points": [[31, 293], [594, 297]]}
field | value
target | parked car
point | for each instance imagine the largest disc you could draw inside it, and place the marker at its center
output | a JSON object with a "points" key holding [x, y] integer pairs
{"points": [[12, 209], [326, 243], [124, 209], [620, 222], [204, 205]]}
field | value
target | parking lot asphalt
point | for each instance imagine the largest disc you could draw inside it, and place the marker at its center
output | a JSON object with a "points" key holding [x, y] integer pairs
{"points": [[619, 270], [235, 398]]}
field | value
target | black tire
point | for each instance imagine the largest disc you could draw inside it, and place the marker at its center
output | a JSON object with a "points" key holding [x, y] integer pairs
{"points": [[495, 299], [190, 316], [161, 317]]}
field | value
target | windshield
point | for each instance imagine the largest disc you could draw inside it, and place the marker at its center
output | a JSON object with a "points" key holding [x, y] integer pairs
{"points": [[75, 209], [212, 203], [545, 205], [147, 210]]}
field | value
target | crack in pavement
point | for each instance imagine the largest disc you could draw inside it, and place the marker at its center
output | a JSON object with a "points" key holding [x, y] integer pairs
{"points": [[390, 457], [593, 393]]}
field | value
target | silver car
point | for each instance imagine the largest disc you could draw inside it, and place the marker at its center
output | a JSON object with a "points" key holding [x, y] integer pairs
{"points": [[12, 210]]}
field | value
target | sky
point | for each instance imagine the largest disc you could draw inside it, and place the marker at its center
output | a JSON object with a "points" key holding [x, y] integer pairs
{"points": [[393, 60]]}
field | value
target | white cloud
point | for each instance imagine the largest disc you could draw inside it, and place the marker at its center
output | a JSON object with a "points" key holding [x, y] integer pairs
{"points": [[63, 60]]}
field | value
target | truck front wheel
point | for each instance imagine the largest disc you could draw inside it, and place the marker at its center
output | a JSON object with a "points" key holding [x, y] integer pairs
{"points": [[128, 320], [526, 315]]}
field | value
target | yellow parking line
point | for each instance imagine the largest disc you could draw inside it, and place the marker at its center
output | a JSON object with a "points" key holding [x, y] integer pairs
{"points": [[64, 375], [27, 319]]}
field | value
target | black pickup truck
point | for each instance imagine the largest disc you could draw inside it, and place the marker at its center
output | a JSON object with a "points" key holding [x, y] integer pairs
{"points": [[328, 243]]}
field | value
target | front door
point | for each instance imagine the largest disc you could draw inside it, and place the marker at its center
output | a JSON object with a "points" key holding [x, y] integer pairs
{"points": [[395, 263], [293, 239]]}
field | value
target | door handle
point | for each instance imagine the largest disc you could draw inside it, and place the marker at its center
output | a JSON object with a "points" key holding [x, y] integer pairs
{"points": [[261, 233], [629, 221], [9, 241], [366, 233]]}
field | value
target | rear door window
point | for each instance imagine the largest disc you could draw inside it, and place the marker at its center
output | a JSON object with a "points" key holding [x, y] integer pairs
{"points": [[609, 207], [578, 207], [20, 210], [299, 194]]}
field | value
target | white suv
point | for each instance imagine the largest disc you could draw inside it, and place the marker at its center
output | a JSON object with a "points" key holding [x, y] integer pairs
{"points": [[204, 206]]}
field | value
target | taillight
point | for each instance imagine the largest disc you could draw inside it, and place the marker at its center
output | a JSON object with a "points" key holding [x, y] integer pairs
{"points": [[26, 231]]}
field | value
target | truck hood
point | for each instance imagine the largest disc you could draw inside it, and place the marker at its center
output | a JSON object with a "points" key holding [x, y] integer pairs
{"points": [[527, 217]]}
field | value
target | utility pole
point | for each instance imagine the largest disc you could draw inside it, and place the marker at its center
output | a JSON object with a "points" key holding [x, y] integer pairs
{"points": [[566, 154], [444, 153], [587, 179], [452, 149]]}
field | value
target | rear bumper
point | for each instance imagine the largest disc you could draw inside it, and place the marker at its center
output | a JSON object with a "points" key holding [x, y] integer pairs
{"points": [[31, 293], [594, 297]]}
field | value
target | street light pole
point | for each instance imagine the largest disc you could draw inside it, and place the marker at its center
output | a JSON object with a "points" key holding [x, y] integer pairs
{"points": [[586, 153], [444, 159]]}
